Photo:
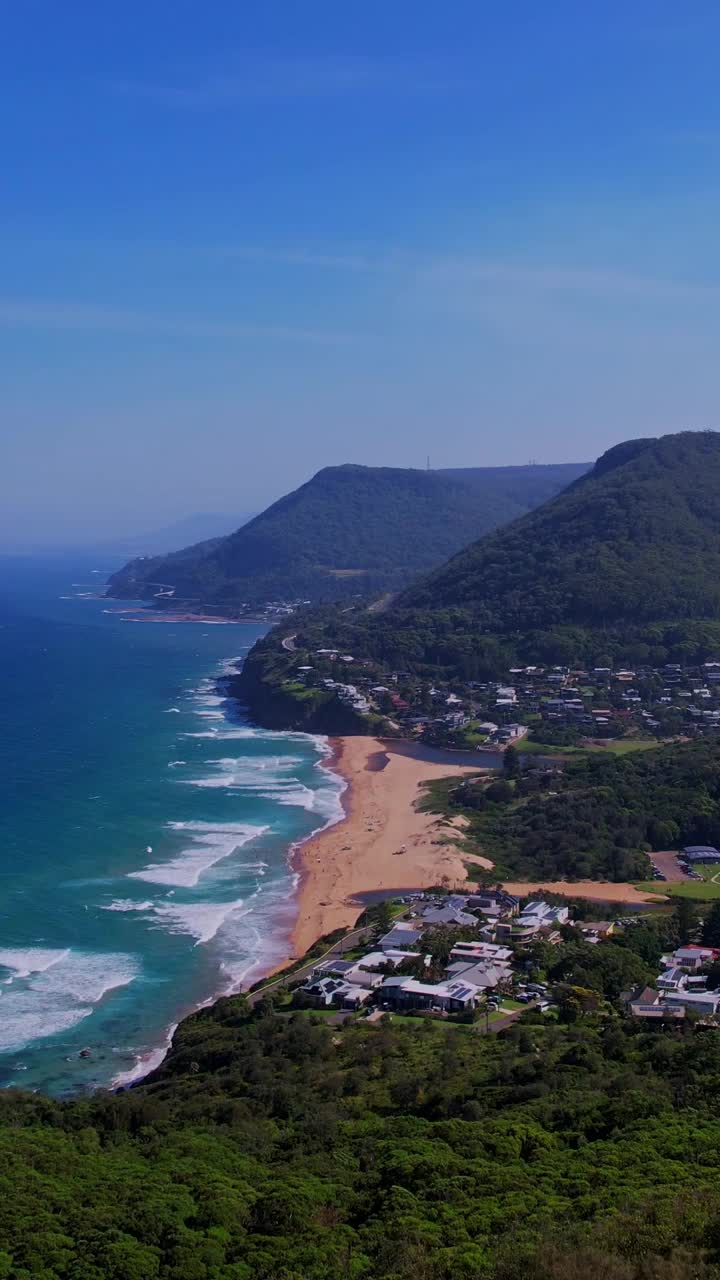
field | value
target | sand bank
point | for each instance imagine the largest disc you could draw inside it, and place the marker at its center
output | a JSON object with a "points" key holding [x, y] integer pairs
{"points": [[363, 852], [599, 890]]}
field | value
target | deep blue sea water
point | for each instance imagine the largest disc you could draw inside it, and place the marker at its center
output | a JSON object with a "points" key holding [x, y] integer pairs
{"points": [[145, 827]]}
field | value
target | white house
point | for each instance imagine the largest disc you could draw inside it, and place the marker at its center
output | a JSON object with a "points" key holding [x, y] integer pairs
{"points": [[540, 915], [449, 997]]}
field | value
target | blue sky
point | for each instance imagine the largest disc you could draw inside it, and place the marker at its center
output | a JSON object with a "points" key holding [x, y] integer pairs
{"points": [[243, 241]]}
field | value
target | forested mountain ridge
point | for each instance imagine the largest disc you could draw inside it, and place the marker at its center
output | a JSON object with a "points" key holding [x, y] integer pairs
{"points": [[623, 565], [348, 531], [637, 538]]}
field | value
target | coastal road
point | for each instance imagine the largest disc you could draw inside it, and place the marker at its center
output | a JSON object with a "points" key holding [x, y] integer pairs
{"points": [[288, 644], [337, 949]]}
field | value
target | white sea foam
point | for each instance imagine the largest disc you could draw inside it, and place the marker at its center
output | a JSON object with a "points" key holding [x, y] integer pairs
{"points": [[145, 1062], [201, 920], [209, 843], [127, 904], [241, 732], [249, 773], [27, 960], [61, 994]]}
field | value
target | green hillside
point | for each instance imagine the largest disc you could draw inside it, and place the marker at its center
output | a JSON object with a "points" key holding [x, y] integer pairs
{"points": [[623, 565], [349, 531], [276, 1147], [637, 538]]}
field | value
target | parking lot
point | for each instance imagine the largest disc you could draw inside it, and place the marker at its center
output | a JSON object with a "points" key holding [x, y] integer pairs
{"points": [[668, 866]]}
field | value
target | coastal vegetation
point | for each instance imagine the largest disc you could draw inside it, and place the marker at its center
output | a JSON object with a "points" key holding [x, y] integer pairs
{"points": [[276, 1147], [597, 817], [350, 531], [622, 567]]}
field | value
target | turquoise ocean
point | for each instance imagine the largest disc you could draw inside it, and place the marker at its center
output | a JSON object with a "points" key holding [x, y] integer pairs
{"points": [[146, 828]]}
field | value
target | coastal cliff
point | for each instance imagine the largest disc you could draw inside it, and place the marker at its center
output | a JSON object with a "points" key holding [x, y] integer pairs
{"points": [[275, 702]]}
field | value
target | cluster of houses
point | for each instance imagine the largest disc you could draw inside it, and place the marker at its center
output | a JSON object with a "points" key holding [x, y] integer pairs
{"points": [[398, 973], [681, 986], [556, 704], [475, 969]]}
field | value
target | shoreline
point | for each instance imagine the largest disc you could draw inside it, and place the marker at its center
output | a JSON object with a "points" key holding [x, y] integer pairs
{"points": [[150, 1059], [357, 854], [383, 842]]}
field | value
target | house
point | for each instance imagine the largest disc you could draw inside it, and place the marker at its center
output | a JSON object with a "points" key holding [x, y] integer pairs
{"points": [[377, 960], [481, 951], [672, 980], [540, 915], [334, 967], [506, 695], [707, 1002], [494, 902], [482, 974], [595, 930], [404, 934], [693, 958], [458, 900], [359, 976], [656, 1011], [640, 995], [448, 997], [448, 915], [327, 993], [511, 732]]}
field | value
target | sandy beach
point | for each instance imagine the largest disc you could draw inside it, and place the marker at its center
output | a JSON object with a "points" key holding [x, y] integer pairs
{"points": [[385, 843], [597, 890], [362, 853]]}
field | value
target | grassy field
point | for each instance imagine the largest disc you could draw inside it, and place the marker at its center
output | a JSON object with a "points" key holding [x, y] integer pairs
{"points": [[617, 747], [623, 746], [705, 890]]}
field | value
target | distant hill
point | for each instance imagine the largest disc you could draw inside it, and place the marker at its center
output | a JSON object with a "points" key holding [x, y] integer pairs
{"points": [[348, 531], [624, 563], [522, 488], [201, 527], [155, 542]]}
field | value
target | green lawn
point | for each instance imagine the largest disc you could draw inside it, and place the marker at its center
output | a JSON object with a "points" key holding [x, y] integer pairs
{"points": [[700, 890], [622, 746]]}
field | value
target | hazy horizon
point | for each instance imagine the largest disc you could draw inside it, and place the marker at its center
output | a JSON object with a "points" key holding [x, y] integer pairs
{"points": [[237, 248], [188, 523]]}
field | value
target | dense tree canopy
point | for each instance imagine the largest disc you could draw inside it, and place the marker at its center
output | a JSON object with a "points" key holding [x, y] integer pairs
{"points": [[271, 1147], [349, 531], [623, 565], [597, 818]]}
